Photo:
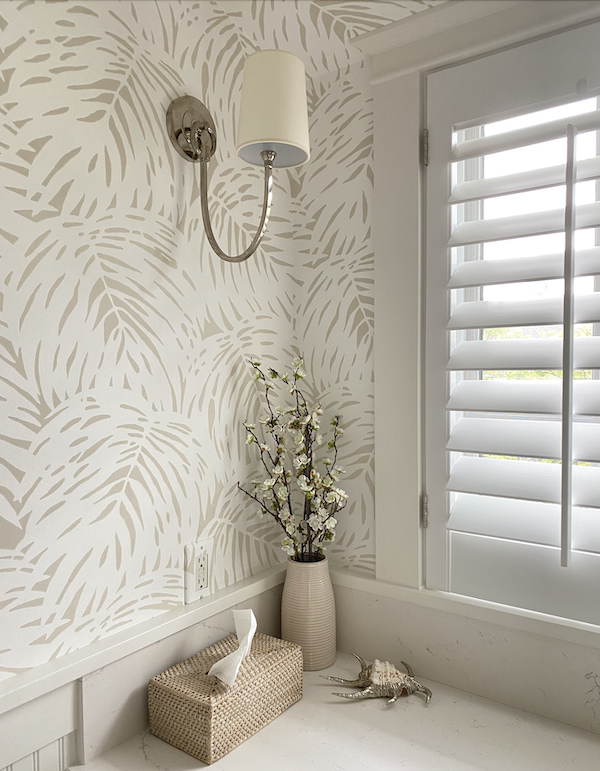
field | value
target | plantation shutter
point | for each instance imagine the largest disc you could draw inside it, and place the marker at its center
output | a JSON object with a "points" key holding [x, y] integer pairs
{"points": [[512, 435]]}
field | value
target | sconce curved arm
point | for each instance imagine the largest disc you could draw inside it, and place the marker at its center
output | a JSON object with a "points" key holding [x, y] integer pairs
{"points": [[193, 134], [268, 157]]}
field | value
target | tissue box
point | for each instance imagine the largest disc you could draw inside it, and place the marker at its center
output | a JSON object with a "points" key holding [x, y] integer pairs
{"points": [[206, 718]]}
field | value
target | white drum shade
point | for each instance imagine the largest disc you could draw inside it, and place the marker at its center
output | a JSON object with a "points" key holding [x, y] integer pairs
{"points": [[273, 113]]}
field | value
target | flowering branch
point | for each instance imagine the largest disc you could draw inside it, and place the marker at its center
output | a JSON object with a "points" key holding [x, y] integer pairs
{"points": [[289, 487]]}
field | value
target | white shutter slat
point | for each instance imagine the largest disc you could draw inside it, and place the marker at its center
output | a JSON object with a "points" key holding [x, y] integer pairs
{"points": [[526, 575], [535, 179], [489, 314], [534, 224], [523, 354], [523, 438], [475, 148], [544, 267], [527, 439], [523, 396], [528, 521], [527, 480]]}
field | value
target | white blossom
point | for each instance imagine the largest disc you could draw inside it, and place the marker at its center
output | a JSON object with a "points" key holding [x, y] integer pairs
{"points": [[304, 484], [315, 522], [300, 461], [288, 546]]}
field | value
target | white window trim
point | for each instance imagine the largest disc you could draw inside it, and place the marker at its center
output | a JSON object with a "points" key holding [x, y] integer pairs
{"points": [[403, 54]]}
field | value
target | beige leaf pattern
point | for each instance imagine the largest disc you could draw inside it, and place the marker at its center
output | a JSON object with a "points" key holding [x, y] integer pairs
{"points": [[124, 340]]}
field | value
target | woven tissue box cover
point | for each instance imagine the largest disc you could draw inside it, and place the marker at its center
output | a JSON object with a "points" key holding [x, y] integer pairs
{"points": [[207, 718]]}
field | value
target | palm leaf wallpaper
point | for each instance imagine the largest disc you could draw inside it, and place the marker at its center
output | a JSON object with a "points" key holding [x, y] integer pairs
{"points": [[124, 340]]}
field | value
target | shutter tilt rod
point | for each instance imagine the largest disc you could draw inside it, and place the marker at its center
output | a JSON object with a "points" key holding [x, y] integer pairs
{"points": [[566, 485]]}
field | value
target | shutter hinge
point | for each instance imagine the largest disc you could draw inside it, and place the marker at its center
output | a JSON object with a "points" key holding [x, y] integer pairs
{"points": [[424, 511], [425, 146]]}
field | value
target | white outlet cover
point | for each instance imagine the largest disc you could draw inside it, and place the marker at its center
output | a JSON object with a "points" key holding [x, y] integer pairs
{"points": [[192, 552]]}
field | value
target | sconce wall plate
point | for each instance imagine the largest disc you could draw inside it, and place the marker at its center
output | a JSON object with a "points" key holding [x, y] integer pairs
{"points": [[187, 118]]}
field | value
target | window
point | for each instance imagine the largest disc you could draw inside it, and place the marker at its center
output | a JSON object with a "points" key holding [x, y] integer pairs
{"points": [[512, 498]]}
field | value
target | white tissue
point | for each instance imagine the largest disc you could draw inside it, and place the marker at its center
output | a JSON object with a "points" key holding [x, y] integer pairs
{"points": [[226, 669]]}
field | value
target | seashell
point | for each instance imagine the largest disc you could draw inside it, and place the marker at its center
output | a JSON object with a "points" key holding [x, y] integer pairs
{"points": [[381, 678], [382, 673]]}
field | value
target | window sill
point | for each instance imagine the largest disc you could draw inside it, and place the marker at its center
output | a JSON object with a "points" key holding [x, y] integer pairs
{"points": [[480, 610]]}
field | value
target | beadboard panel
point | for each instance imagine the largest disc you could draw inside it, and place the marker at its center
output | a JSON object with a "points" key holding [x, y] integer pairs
{"points": [[56, 756], [35, 732]]}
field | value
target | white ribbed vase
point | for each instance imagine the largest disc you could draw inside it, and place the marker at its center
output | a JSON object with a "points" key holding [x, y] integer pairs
{"points": [[308, 612]]}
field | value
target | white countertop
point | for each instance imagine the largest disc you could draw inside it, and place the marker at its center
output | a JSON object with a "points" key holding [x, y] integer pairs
{"points": [[454, 732]]}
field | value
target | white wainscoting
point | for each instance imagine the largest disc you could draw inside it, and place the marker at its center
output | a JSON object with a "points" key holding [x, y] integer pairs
{"points": [[37, 732], [79, 706], [56, 756]]}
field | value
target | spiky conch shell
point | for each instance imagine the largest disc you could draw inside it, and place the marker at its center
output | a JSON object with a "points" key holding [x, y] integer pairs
{"points": [[382, 672]]}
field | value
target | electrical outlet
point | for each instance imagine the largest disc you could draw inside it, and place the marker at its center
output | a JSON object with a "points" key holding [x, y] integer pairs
{"points": [[198, 558], [202, 570]]}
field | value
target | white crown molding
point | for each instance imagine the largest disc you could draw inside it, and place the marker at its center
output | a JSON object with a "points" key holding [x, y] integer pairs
{"points": [[464, 29], [434, 20]]}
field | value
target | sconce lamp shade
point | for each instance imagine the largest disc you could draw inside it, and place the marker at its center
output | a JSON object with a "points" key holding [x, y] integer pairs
{"points": [[273, 114]]}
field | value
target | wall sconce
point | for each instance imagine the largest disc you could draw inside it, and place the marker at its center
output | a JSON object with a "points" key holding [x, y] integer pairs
{"points": [[272, 130]]}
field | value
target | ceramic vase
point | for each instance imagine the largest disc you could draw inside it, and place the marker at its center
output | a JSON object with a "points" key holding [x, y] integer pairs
{"points": [[308, 612]]}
